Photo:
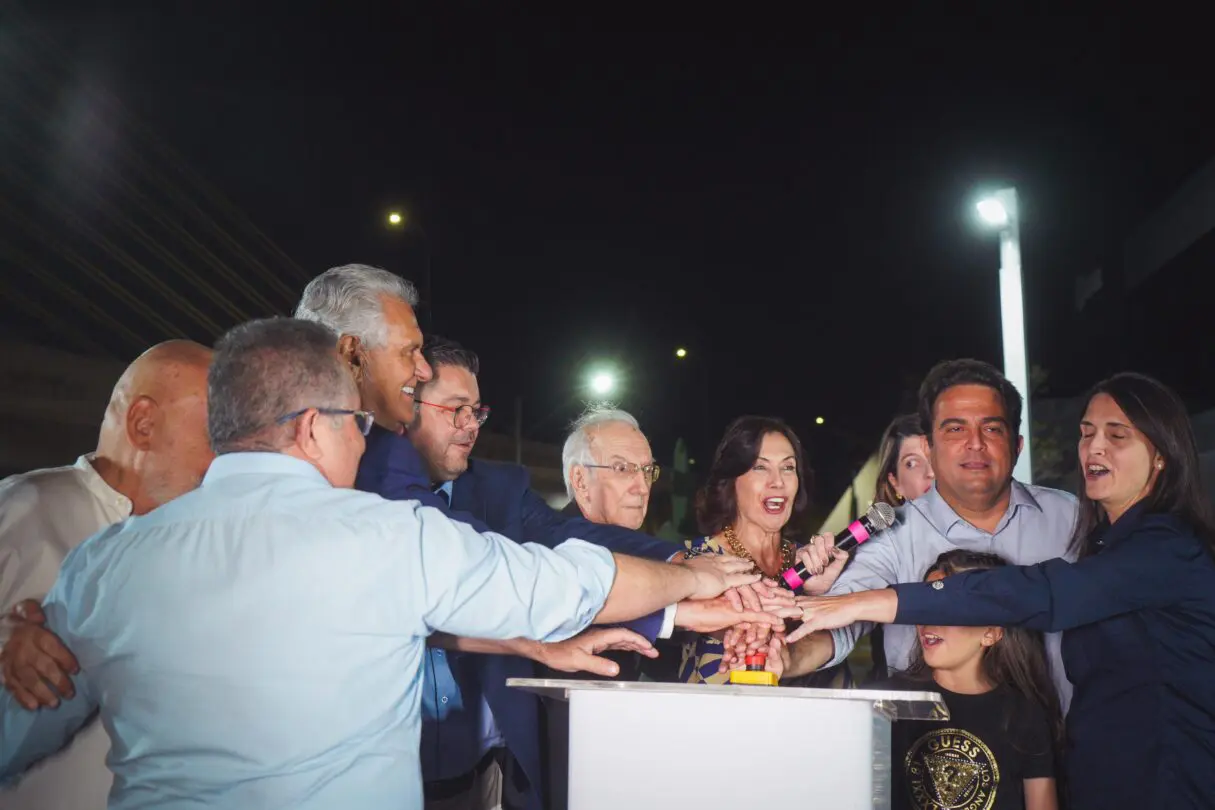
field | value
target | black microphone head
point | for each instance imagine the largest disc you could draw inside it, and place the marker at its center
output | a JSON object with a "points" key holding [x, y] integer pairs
{"points": [[880, 516]]}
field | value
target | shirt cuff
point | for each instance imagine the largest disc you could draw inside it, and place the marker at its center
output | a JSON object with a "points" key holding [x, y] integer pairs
{"points": [[668, 621], [920, 602], [843, 647]]}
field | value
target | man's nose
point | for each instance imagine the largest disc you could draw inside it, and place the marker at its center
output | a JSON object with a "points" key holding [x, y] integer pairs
{"points": [[422, 369]]}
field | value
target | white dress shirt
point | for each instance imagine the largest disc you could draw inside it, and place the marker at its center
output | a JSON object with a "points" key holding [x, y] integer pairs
{"points": [[258, 642], [44, 514]]}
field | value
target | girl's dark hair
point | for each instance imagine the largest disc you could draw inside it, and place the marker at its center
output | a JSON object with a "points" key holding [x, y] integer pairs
{"points": [[903, 427], [1159, 414], [1017, 661], [716, 502]]}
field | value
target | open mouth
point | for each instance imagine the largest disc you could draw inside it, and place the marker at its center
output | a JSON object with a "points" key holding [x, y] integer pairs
{"points": [[407, 390], [930, 639], [774, 506], [1093, 470]]}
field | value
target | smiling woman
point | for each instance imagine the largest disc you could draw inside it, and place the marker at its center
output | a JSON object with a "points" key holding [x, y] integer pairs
{"points": [[757, 484]]}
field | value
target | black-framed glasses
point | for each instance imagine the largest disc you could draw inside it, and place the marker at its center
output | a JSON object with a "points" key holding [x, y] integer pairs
{"points": [[622, 468], [464, 415], [363, 420]]}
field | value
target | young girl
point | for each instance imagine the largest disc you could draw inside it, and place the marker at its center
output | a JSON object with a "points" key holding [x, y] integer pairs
{"points": [[997, 750]]}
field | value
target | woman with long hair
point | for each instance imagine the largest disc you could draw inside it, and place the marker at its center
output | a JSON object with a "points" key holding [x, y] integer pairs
{"points": [[1137, 609]]}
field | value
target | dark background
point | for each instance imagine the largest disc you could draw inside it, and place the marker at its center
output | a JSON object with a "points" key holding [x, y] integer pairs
{"points": [[789, 198]]}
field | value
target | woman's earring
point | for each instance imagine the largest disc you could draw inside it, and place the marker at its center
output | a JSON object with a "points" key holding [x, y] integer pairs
{"points": [[898, 496]]}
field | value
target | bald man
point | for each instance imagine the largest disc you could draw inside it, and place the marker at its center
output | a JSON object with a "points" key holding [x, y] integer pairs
{"points": [[152, 447]]}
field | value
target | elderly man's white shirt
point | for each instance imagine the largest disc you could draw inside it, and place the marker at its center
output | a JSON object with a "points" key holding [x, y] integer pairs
{"points": [[44, 514]]}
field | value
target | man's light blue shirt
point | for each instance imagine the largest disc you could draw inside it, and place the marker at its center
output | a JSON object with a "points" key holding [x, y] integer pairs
{"points": [[1036, 527], [258, 642]]}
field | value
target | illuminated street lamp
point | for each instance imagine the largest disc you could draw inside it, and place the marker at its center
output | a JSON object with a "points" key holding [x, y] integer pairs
{"points": [[395, 219], [681, 353], [818, 420], [1000, 211], [603, 382]]}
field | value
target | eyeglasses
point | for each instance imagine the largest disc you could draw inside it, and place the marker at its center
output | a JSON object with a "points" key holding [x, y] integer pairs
{"points": [[623, 468], [464, 415], [363, 420]]}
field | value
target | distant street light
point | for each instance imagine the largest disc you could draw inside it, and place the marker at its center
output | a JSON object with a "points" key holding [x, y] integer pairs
{"points": [[818, 420], [681, 353], [602, 383], [408, 225], [1000, 211]]}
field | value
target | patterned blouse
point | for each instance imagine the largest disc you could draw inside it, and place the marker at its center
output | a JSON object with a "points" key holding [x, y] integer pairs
{"points": [[702, 653]]}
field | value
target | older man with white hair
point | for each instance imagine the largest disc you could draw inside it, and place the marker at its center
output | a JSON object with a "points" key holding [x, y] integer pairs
{"points": [[608, 467]]}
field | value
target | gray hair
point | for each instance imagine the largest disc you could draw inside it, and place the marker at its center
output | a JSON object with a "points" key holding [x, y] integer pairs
{"points": [[347, 300], [577, 448], [266, 369]]}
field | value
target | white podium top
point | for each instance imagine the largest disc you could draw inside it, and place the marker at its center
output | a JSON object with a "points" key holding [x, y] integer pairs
{"points": [[894, 704]]}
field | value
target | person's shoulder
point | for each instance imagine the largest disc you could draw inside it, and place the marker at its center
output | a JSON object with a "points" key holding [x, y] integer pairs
{"points": [[48, 482], [703, 545], [46, 491], [1051, 499], [497, 470]]}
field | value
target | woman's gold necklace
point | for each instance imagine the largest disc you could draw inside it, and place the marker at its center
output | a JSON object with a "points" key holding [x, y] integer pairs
{"points": [[788, 551]]}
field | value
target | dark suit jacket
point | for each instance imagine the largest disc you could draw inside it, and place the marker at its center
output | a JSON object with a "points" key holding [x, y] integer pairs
{"points": [[496, 497]]}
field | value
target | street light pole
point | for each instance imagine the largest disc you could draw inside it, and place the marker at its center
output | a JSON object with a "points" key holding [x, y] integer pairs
{"points": [[1000, 210]]}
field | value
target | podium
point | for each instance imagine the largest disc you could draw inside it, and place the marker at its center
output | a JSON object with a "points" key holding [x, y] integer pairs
{"points": [[658, 746]]}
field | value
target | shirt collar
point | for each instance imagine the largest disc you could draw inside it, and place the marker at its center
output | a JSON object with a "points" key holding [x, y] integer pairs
{"points": [[446, 486], [97, 485], [942, 517], [230, 464]]}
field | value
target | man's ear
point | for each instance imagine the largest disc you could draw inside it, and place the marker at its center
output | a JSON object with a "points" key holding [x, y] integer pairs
{"points": [[348, 348], [578, 479], [305, 434], [143, 415]]}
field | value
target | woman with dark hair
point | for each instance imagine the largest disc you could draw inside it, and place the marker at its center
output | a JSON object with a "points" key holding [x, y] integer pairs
{"points": [[757, 484], [904, 472], [1137, 609]]}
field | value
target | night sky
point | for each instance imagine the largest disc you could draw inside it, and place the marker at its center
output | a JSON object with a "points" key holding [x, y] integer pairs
{"points": [[789, 199]]}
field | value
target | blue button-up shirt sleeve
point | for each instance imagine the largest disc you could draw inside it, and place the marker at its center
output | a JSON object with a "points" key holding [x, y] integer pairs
{"points": [[874, 566], [26, 737], [1155, 566], [487, 586]]}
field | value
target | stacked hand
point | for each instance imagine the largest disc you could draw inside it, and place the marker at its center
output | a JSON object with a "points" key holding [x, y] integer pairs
{"points": [[761, 604], [34, 665], [717, 573]]}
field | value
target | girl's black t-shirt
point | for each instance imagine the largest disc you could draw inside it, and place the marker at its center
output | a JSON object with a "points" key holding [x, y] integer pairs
{"points": [[976, 760]]}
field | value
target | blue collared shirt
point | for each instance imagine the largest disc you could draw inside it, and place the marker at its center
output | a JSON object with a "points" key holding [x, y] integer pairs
{"points": [[457, 724], [1037, 526], [259, 642]]}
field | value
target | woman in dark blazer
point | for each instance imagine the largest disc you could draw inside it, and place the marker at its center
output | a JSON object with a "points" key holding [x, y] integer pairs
{"points": [[1137, 609]]}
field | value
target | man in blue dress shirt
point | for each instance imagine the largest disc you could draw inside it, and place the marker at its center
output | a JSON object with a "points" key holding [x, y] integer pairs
{"points": [[215, 634]]}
